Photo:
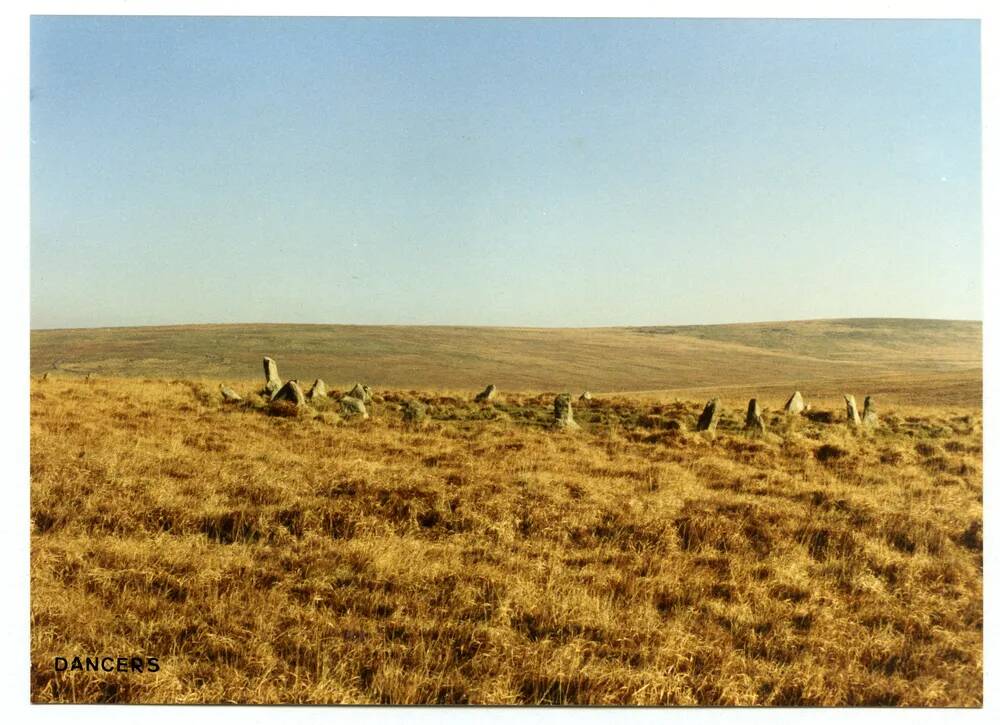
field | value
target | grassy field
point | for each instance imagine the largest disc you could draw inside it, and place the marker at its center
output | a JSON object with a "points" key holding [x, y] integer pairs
{"points": [[871, 354], [485, 558]]}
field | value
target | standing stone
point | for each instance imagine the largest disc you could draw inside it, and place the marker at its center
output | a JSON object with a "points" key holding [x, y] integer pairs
{"points": [[272, 383], [354, 407], [361, 392], [318, 390], [586, 396], [852, 411], [563, 410], [795, 404], [45, 376], [229, 395], [291, 392], [755, 421], [414, 412], [869, 417], [709, 417], [487, 394]]}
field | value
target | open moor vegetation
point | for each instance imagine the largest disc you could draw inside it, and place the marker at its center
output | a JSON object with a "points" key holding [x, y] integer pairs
{"points": [[273, 555]]}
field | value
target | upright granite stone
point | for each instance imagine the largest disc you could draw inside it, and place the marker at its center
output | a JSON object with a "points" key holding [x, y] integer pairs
{"points": [[353, 407], [318, 390], [290, 392], [709, 417], [361, 392], [795, 404], [754, 423], [487, 394], [852, 411], [229, 395], [563, 412], [869, 418], [272, 383]]}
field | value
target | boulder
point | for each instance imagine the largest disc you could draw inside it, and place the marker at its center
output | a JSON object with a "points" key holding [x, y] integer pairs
{"points": [[586, 396], [229, 395], [709, 417], [852, 411], [290, 392], [272, 383], [869, 418], [795, 404], [754, 423], [563, 412], [318, 390], [487, 394], [361, 392], [353, 407]]}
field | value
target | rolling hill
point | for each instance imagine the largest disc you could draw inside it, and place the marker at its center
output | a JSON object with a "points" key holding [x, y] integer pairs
{"points": [[906, 357]]}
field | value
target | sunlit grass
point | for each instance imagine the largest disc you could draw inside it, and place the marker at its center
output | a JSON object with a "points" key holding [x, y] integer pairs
{"points": [[482, 557]]}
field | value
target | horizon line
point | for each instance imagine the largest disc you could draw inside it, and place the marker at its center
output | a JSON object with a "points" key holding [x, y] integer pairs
{"points": [[495, 327]]}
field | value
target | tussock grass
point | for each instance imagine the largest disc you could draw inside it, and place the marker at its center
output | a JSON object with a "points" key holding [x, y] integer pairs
{"points": [[482, 557]]}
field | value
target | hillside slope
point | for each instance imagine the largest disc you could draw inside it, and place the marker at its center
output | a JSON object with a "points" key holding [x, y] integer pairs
{"points": [[525, 359]]}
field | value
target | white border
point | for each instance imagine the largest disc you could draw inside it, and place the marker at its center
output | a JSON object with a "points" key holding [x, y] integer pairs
{"points": [[14, 635]]}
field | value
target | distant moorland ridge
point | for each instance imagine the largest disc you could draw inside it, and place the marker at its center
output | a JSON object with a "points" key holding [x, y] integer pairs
{"points": [[932, 354]]}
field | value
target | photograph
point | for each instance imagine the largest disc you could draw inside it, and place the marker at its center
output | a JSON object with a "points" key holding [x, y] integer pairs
{"points": [[504, 361]]}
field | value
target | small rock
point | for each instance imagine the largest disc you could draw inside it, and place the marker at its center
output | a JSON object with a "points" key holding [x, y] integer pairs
{"points": [[487, 394], [229, 395], [414, 412], [795, 404], [709, 417], [869, 418], [353, 407], [852, 411], [318, 390], [586, 396], [272, 383], [563, 411], [754, 423], [361, 392], [290, 392]]}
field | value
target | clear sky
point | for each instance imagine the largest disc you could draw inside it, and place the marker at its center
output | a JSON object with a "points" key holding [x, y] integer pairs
{"points": [[502, 172]]}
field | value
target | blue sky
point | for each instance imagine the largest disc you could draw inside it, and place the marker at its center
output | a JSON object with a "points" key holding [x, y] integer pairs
{"points": [[502, 172]]}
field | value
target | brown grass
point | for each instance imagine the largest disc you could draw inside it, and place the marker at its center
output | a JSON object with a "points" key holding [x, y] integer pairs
{"points": [[484, 558], [883, 357]]}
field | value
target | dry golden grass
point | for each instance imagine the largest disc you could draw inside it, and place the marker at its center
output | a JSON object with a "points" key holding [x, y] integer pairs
{"points": [[483, 558]]}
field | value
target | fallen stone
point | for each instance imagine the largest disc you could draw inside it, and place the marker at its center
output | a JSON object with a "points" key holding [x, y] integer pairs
{"points": [[852, 411], [563, 411], [487, 394], [795, 404], [869, 418], [586, 396], [318, 390], [754, 423], [353, 407], [272, 383], [709, 417], [290, 392], [229, 395]]}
